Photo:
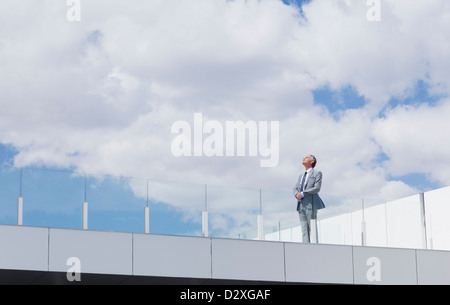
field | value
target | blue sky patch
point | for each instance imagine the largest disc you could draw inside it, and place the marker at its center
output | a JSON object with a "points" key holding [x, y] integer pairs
{"points": [[420, 181], [7, 154], [337, 101], [420, 95]]}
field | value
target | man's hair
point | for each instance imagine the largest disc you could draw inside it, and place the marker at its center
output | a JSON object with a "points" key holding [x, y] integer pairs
{"points": [[314, 161]]}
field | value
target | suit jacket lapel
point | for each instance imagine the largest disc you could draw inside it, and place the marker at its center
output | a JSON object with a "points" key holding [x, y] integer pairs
{"points": [[311, 176]]}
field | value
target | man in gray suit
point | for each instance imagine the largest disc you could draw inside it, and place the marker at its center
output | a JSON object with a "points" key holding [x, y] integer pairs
{"points": [[306, 192]]}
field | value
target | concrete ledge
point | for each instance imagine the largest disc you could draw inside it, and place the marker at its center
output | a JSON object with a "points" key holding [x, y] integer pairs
{"points": [[433, 267], [98, 252], [40, 255], [313, 264], [247, 260], [372, 265], [24, 248], [171, 256]]}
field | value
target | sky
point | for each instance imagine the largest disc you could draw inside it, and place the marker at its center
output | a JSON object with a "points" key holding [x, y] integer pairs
{"points": [[99, 94]]}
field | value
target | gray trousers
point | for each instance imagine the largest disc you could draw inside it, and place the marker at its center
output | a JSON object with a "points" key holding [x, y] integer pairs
{"points": [[305, 215]]}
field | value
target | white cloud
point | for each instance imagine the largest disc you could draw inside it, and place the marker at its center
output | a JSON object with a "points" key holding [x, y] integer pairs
{"points": [[101, 95], [416, 141], [380, 59]]}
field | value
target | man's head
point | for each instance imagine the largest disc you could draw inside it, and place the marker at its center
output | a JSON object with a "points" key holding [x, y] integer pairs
{"points": [[309, 161]]}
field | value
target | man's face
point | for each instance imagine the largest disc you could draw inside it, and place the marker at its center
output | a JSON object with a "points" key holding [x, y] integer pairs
{"points": [[307, 161]]}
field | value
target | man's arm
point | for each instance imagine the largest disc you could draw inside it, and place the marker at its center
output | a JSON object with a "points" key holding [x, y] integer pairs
{"points": [[296, 189]]}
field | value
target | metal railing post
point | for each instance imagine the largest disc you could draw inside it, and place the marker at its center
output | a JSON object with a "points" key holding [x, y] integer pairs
{"points": [[260, 219], [19, 211], [205, 232], [85, 215], [363, 227], [85, 206], [146, 220], [423, 221], [20, 203]]}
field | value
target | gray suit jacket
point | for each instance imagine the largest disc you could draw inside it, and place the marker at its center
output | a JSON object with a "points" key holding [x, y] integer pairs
{"points": [[311, 197]]}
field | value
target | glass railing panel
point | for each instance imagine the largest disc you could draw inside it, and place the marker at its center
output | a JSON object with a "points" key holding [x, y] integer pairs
{"points": [[437, 211], [336, 230], [357, 228], [404, 223], [116, 203], [176, 208], [9, 192], [233, 212], [290, 232], [336, 223], [52, 198], [272, 231], [284, 232], [280, 215], [341, 221], [375, 224]]}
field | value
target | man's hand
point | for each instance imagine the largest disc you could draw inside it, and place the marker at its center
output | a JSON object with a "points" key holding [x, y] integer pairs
{"points": [[299, 196]]}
